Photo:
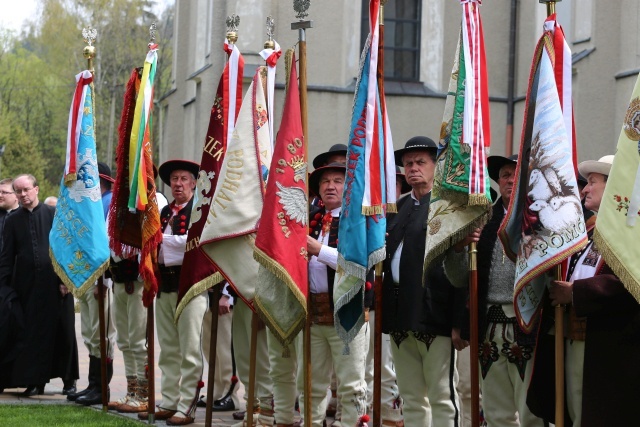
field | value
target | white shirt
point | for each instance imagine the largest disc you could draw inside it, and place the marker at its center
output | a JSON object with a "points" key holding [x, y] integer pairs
{"points": [[173, 247], [328, 257]]}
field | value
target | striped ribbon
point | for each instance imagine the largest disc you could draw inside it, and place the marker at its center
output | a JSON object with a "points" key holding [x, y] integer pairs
{"points": [[271, 56], [141, 133], [377, 144], [476, 129], [83, 79]]}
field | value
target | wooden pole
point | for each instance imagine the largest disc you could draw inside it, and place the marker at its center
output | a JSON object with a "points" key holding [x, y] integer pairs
{"points": [[377, 347], [559, 357], [213, 344], [252, 369], [377, 290], [103, 345], [559, 313], [301, 26], [151, 404], [474, 350]]}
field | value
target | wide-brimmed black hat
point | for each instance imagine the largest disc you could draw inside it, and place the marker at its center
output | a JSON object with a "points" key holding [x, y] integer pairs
{"points": [[314, 178], [495, 163], [105, 172], [417, 143], [405, 185], [173, 165], [321, 159]]}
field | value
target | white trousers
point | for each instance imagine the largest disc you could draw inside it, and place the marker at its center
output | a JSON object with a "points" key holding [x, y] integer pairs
{"points": [[130, 319], [327, 351], [389, 388], [427, 379], [463, 363], [224, 362], [574, 367], [283, 372], [180, 350], [504, 392], [90, 323], [263, 388]]}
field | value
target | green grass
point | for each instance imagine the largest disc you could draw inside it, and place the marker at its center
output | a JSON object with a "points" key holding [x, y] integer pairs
{"points": [[59, 416]]}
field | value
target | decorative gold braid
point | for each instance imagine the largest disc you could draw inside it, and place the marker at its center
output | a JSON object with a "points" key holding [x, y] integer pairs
{"points": [[630, 283], [66, 280], [288, 64], [372, 210], [479, 200], [197, 289], [392, 208]]}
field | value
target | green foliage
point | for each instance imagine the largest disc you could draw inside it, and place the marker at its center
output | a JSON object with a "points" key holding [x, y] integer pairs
{"points": [[60, 416], [37, 70]]}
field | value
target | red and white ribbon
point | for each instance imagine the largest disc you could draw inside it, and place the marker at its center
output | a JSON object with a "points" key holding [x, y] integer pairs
{"points": [[232, 87], [476, 130], [373, 150], [271, 56], [74, 129]]}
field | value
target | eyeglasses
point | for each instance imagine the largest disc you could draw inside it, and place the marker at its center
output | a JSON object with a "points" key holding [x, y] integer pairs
{"points": [[4, 193], [24, 190]]}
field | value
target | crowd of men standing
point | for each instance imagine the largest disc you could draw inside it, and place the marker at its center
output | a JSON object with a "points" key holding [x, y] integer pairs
{"points": [[425, 321]]}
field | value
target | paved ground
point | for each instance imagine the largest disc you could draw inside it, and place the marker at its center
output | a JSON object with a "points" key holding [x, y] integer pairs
{"points": [[118, 387]]}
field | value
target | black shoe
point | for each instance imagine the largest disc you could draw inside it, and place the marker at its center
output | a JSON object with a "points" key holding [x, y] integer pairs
{"points": [[224, 404], [73, 396], [69, 387], [33, 390], [92, 398], [202, 402]]}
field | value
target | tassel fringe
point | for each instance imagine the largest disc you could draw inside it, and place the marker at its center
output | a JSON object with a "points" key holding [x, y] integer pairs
{"points": [[628, 280]]}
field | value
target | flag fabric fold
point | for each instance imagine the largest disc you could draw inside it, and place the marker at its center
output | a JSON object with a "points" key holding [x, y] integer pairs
{"points": [[134, 188], [544, 224], [616, 229], [460, 198], [198, 273], [228, 236], [79, 247], [281, 241], [367, 197]]}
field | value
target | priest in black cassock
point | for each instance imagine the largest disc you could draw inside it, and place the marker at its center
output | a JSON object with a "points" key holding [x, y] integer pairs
{"points": [[47, 348]]}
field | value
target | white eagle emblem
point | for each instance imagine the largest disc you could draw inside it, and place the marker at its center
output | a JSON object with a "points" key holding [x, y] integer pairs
{"points": [[294, 203], [203, 186]]}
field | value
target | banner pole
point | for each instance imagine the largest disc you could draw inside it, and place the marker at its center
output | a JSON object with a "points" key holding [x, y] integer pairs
{"points": [[301, 7], [213, 351], [558, 313], [474, 345], [252, 368]]}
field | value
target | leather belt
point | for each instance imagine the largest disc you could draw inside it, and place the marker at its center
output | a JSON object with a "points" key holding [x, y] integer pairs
{"points": [[321, 309]]}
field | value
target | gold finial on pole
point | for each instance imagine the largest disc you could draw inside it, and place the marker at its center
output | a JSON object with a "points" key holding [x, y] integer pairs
{"points": [[270, 44], [233, 22], [551, 6], [89, 52], [382, 3]]}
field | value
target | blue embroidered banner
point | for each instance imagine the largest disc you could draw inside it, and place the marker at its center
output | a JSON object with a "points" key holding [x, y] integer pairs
{"points": [[78, 238]]}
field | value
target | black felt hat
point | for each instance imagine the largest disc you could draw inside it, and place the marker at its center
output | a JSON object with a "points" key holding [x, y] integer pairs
{"points": [[417, 143], [105, 172], [495, 163], [173, 165], [321, 159]]}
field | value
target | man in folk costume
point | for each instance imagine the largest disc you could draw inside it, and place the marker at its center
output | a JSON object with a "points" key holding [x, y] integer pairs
{"points": [[90, 318], [419, 318], [326, 346], [180, 350], [602, 345], [130, 319], [505, 350]]}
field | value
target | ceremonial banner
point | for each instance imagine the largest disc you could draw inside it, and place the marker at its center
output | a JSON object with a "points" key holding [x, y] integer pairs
{"points": [[544, 224], [228, 237], [617, 233], [197, 271], [281, 241], [79, 248], [369, 190], [460, 199]]}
